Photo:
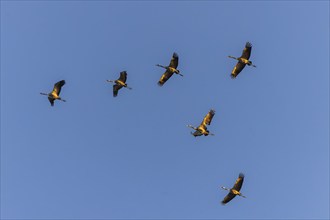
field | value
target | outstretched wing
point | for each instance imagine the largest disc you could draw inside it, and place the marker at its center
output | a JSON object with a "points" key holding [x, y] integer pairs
{"points": [[115, 89], [237, 69], [165, 77], [238, 184], [51, 100], [228, 197], [174, 61], [197, 133], [123, 76], [208, 118], [58, 86], [247, 50]]}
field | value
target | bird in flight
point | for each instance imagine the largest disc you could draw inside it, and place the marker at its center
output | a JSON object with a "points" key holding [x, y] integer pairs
{"points": [[55, 94], [202, 128], [119, 83], [235, 191], [170, 69], [242, 60]]}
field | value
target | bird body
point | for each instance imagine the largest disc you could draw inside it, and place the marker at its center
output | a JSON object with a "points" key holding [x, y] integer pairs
{"points": [[243, 60], [55, 94], [235, 191], [173, 70], [119, 83], [170, 69], [202, 128]]}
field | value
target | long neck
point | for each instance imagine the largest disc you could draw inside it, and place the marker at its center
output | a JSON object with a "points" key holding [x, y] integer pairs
{"points": [[225, 188], [190, 126], [161, 66], [44, 93], [232, 57], [110, 81]]}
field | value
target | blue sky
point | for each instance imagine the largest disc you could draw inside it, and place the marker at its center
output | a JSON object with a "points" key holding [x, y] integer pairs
{"points": [[132, 156]]}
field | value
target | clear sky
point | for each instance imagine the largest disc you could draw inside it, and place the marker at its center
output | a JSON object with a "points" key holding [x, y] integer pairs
{"points": [[132, 156]]}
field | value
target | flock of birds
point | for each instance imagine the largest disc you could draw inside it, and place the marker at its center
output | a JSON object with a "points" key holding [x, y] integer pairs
{"points": [[243, 60]]}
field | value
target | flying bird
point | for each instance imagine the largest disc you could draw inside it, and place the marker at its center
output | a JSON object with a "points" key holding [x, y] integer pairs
{"points": [[55, 94], [242, 61], [119, 83], [170, 69], [202, 129], [235, 190]]}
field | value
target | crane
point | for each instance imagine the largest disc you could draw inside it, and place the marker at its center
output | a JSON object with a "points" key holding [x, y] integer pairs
{"points": [[55, 94], [242, 60], [235, 191], [119, 83], [170, 69], [202, 129]]}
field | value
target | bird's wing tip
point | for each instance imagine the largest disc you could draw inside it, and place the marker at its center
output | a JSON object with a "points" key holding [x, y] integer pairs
{"points": [[248, 44]]}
